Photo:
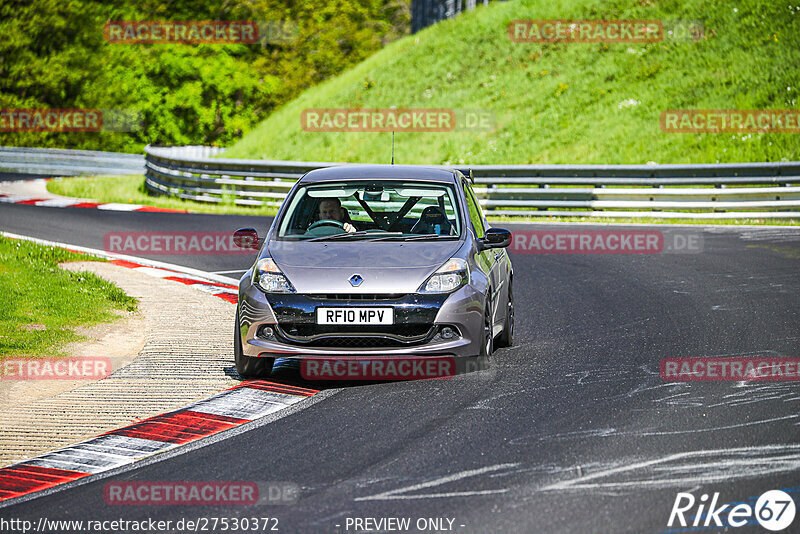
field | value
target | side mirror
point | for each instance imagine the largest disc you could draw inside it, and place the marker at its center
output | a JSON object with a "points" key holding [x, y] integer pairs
{"points": [[246, 238], [495, 238]]}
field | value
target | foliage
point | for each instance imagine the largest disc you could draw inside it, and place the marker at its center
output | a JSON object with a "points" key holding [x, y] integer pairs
{"points": [[54, 55]]}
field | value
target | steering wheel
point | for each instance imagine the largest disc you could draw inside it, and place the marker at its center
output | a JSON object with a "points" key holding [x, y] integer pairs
{"points": [[382, 221], [327, 222]]}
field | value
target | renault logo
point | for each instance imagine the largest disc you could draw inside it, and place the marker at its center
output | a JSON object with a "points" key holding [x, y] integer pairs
{"points": [[356, 280]]}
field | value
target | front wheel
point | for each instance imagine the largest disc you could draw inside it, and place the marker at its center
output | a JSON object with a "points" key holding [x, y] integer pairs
{"points": [[487, 344], [506, 339], [246, 366]]}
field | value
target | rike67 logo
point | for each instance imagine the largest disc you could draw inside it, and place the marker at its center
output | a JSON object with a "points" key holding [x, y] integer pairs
{"points": [[774, 510]]}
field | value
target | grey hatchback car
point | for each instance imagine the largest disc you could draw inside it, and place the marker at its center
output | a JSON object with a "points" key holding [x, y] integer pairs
{"points": [[375, 260]]}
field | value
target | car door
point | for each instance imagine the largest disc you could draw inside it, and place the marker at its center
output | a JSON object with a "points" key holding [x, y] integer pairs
{"points": [[489, 259]]}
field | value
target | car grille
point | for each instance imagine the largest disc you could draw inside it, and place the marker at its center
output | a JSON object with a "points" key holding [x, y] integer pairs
{"points": [[414, 317], [357, 342], [358, 296], [312, 335]]}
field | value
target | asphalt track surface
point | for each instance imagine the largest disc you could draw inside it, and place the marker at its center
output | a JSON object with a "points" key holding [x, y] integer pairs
{"points": [[571, 430]]}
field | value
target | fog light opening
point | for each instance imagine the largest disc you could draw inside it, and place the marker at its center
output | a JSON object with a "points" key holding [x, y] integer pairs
{"points": [[266, 332], [448, 333]]}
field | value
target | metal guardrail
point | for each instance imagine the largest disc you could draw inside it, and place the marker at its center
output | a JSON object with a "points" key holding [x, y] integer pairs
{"points": [[60, 162], [732, 190], [754, 190]]}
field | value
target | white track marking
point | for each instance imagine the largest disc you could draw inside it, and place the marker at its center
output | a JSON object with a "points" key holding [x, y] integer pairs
{"points": [[14, 198], [57, 202], [114, 206], [729, 464], [396, 494], [245, 403], [154, 272], [714, 429]]}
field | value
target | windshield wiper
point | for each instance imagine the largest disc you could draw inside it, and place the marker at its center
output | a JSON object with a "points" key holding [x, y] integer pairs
{"points": [[418, 237], [362, 233]]}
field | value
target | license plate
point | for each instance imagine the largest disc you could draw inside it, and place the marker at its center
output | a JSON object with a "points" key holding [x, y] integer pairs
{"points": [[355, 315]]}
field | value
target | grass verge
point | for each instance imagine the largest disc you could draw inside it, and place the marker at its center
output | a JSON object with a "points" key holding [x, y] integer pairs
{"points": [[43, 303]]}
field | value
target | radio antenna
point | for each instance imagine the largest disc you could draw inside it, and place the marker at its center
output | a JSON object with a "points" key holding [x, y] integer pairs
{"points": [[392, 147]]}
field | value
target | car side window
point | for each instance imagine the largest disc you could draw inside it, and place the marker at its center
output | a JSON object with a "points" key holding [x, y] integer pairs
{"points": [[480, 209], [474, 211]]}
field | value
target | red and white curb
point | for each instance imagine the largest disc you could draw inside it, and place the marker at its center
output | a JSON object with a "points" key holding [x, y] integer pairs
{"points": [[76, 203], [229, 409], [245, 403], [67, 202], [227, 292], [219, 286]]}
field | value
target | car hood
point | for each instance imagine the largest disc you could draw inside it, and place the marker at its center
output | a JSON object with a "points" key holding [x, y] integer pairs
{"points": [[393, 267]]}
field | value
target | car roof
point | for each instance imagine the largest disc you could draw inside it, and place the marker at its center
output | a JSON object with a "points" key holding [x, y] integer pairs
{"points": [[392, 172]]}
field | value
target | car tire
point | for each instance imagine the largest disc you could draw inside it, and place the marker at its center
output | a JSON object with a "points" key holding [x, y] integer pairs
{"points": [[506, 338], [246, 366], [487, 340]]}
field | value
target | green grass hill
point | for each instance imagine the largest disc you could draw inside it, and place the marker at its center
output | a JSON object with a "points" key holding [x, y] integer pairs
{"points": [[562, 102]]}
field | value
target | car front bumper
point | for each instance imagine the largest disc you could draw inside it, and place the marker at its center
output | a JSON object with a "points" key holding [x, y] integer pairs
{"points": [[417, 319]]}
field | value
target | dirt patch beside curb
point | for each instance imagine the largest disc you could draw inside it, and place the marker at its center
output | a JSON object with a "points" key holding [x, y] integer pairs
{"points": [[176, 349]]}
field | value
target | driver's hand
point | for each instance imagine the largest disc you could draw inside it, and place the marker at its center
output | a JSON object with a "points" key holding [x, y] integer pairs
{"points": [[349, 227]]}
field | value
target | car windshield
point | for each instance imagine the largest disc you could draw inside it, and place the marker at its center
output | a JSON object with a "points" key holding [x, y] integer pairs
{"points": [[371, 210]]}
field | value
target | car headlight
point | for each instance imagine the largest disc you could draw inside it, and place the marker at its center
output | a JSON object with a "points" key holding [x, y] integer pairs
{"points": [[449, 277], [269, 278]]}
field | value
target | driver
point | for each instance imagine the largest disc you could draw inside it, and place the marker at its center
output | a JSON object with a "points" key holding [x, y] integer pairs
{"points": [[331, 208]]}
